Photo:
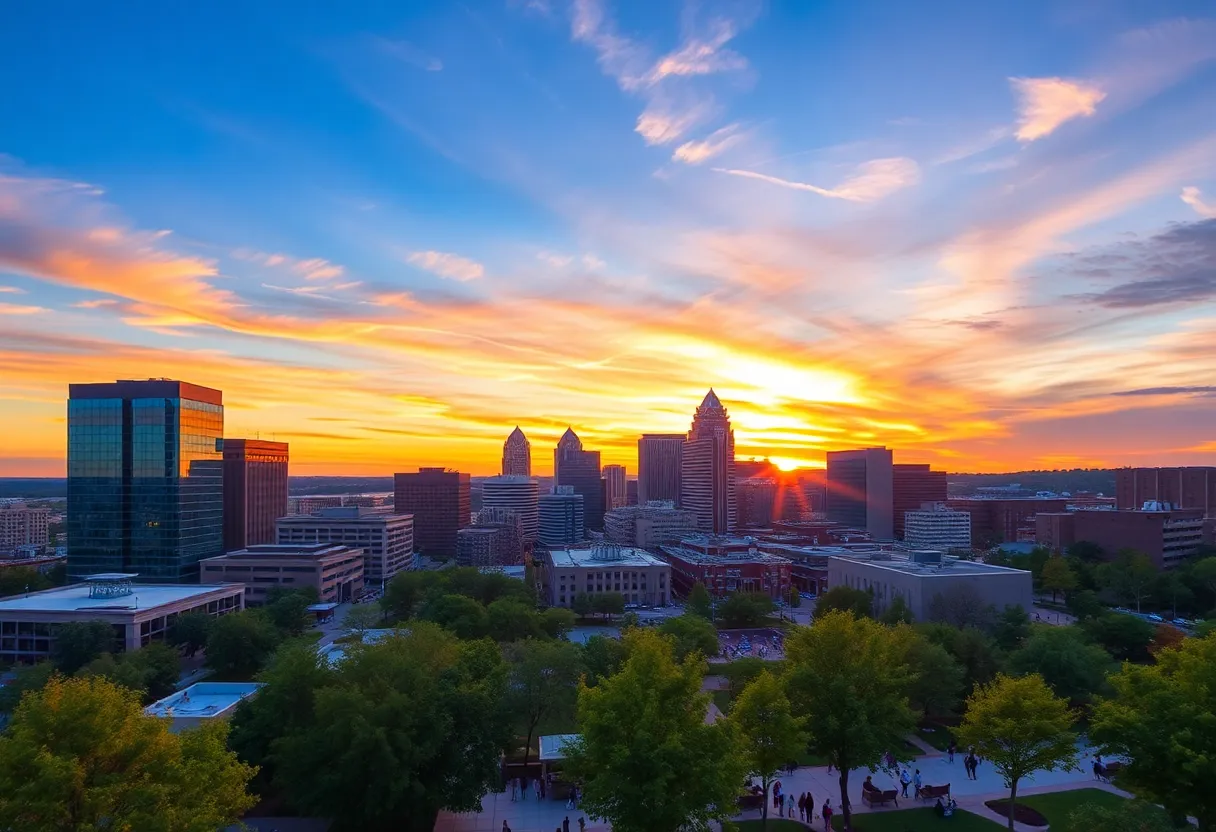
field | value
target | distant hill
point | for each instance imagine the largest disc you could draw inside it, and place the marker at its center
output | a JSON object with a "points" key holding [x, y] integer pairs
{"points": [[304, 486], [1078, 479], [33, 487]]}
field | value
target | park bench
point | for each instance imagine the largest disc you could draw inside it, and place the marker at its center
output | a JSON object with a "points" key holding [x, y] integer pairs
{"points": [[748, 802], [877, 797], [1112, 768], [934, 792]]}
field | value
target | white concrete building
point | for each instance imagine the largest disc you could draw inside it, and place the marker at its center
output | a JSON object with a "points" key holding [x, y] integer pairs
{"points": [[517, 494], [650, 525], [387, 540], [639, 576], [935, 526]]}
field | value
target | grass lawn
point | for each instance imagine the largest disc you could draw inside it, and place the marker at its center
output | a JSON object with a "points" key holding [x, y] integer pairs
{"points": [[939, 737], [1057, 806], [917, 820], [774, 825]]}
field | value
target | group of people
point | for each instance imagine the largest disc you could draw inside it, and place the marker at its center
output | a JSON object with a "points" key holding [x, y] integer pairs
{"points": [[801, 807], [541, 786], [906, 780], [745, 647], [565, 827]]}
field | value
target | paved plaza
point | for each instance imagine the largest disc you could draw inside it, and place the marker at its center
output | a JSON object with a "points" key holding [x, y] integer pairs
{"points": [[547, 815]]}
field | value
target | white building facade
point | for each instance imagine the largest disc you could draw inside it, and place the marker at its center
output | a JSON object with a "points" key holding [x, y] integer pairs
{"points": [[387, 540], [936, 527]]}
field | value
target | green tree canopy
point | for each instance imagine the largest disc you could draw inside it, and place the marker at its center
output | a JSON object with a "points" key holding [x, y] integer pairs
{"points": [[287, 609], [81, 754], [1085, 604], [1086, 550], [79, 642], [1058, 577], [841, 598], [772, 736], [399, 730], [18, 579], [847, 676], [648, 760], [362, 617], [240, 643], [1021, 727], [581, 605], [742, 672], [1163, 718], [1012, 627], [152, 671], [699, 602], [510, 619], [189, 631], [543, 683], [1125, 637], [1071, 666], [935, 678], [691, 634], [602, 657], [744, 609], [458, 613], [975, 651], [24, 678], [608, 603], [961, 605], [897, 612], [1129, 576], [557, 622]]}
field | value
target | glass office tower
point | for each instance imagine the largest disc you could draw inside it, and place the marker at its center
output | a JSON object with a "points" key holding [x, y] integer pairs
{"points": [[145, 478]]}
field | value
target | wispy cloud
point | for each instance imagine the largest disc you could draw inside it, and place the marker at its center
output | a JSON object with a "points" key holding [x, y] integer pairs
{"points": [[696, 152], [662, 122], [1046, 103], [872, 180], [17, 309], [408, 53], [11, 290], [701, 55], [447, 265], [1192, 197]]}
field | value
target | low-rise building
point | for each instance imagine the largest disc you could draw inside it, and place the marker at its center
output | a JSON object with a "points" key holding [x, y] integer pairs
{"points": [[333, 570], [934, 526], [387, 539], [1166, 534], [21, 526], [139, 614], [202, 702], [726, 565], [925, 575], [639, 576], [648, 526]]}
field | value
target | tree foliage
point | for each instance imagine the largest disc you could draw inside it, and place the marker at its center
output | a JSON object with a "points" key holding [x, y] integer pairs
{"points": [[608, 604], [152, 671], [841, 598], [897, 612], [189, 631], [18, 579], [699, 602], [410, 590], [458, 613], [1012, 627], [691, 634], [648, 760], [24, 678], [961, 605], [1162, 717], [846, 675], [240, 643], [81, 754], [745, 609], [772, 736], [1125, 637], [1021, 727], [1058, 577], [510, 619], [1085, 604], [602, 657], [287, 609], [557, 622], [1071, 666], [1129, 576], [976, 652], [935, 678], [79, 642], [362, 617], [581, 605], [543, 683]]}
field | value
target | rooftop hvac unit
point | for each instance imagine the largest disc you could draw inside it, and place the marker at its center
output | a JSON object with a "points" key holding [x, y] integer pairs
{"points": [[924, 556]]}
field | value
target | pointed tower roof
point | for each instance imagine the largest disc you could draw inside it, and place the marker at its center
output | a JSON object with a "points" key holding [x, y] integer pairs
{"points": [[568, 436], [516, 434], [711, 399]]}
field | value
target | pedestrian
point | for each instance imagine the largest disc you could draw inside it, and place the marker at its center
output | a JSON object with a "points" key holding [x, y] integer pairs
{"points": [[523, 787], [904, 781], [791, 805], [582, 824], [810, 807], [566, 824], [802, 808], [917, 782], [777, 795], [538, 788], [827, 815], [505, 828], [540, 782], [950, 751], [514, 789]]}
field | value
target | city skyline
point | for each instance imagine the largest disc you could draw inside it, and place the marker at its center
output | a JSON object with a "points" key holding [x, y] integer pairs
{"points": [[859, 229]]}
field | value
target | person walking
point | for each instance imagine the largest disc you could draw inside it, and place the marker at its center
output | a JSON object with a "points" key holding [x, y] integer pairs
{"points": [[802, 808], [917, 782], [950, 751], [514, 790], [538, 789], [791, 805], [904, 781], [777, 795], [523, 787], [810, 808], [566, 824], [827, 815], [540, 781], [582, 824], [505, 828]]}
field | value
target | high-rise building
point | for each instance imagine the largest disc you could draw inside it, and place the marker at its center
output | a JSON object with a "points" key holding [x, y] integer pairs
{"points": [[387, 539], [1183, 488], [659, 457], [934, 526], [631, 492], [707, 470], [615, 494], [581, 470], [561, 517], [911, 487], [517, 455], [650, 525], [145, 478], [439, 500], [756, 498], [21, 525], [517, 494], [255, 491], [860, 491]]}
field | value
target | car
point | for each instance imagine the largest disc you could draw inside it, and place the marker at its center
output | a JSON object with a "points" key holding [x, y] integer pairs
{"points": [[1122, 609], [1154, 617], [1182, 622]]}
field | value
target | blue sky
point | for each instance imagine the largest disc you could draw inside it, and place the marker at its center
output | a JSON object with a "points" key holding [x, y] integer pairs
{"points": [[981, 233]]}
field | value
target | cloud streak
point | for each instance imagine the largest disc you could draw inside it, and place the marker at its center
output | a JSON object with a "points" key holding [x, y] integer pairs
{"points": [[1046, 103], [716, 143], [870, 182], [451, 266]]}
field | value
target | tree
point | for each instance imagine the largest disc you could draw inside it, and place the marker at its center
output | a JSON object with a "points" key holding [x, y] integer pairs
{"points": [[458, 613], [1012, 627], [159, 667], [1129, 576], [20, 579], [24, 678], [744, 609], [362, 617], [742, 672], [81, 754], [608, 604], [1127, 816], [239, 644], [794, 598], [961, 605], [79, 642], [897, 612], [1085, 604], [1160, 718], [400, 730], [1020, 727], [1165, 637], [975, 651], [189, 631], [509, 619], [691, 634], [648, 760], [699, 602], [1074, 668], [407, 590], [603, 657], [935, 679], [1125, 637], [581, 605], [543, 683], [557, 622], [1058, 577], [287, 609], [841, 598], [772, 735], [1085, 550], [630, 619], [846, 675], [1173, 585]]}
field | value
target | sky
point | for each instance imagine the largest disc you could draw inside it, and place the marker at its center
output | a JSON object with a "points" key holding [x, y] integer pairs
{"points": [[982, 234]]}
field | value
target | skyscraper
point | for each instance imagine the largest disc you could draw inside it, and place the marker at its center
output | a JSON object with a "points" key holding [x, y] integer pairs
{"points": [[517, 455], [561, 517], [145, 478], [581, 469], [516, 494], [614, 486], [439, 500], [912, 486], [860, 491], [659, 456], [707, 470], [255, 491]]}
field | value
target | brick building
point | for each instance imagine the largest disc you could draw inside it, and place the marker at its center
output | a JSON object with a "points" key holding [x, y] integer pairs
{"points": [[1012, 520], [1166, 536], [255, 491], [726, 565], [912, 486], [439, 500], [1185, 488]]}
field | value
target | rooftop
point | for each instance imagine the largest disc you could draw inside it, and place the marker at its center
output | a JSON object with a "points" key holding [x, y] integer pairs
{"points": [[606, 556], [947, 565], [203, 700], [553, 746], [288, 550], [344, 514], [76, 597]]}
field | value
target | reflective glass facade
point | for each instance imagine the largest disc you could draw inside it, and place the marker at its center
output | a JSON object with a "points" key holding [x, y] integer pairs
{"points": [[145, 479]]}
